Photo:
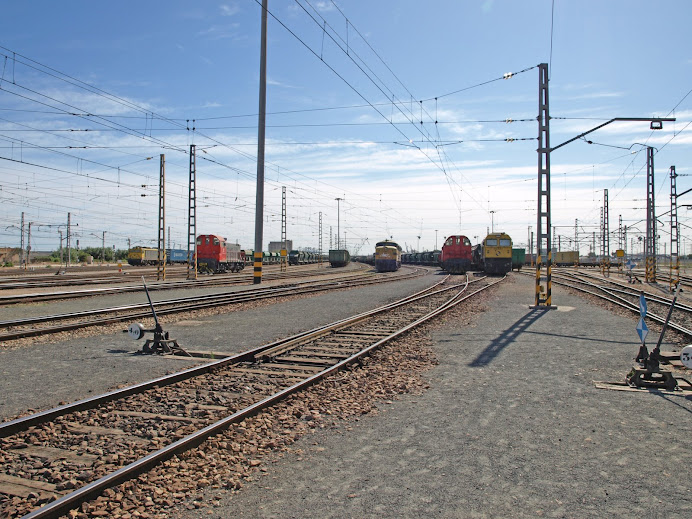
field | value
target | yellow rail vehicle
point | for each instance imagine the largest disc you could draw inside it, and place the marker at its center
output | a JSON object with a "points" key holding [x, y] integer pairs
{"points": [[497, 253], [387, 256], [144, 256]]}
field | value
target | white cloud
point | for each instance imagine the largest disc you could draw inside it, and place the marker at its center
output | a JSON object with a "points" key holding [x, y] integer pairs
{"points": [[229, 9]]}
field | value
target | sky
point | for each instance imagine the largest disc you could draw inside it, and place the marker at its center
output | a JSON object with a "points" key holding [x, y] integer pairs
{"points": [[419, 116]]}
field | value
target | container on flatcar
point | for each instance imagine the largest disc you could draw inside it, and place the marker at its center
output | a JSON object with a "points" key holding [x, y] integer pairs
{"points": [[387, 256], [497, 253], [176, 256], [456, 255], [216, 255], [339, 257], [518, 258]]}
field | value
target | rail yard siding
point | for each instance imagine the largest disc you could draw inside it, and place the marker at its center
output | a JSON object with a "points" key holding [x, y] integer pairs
{"points": [[512, 426], [81, 367]]}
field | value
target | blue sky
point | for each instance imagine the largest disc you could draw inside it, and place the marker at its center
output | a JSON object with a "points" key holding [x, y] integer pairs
{"points": [[93, 92]]}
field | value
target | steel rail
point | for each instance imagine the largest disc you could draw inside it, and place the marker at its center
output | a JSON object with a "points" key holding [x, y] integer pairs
{"points": [[179, 305], [157, 285], [64, 504], [624, 289], [20, 424], [620, 301]]}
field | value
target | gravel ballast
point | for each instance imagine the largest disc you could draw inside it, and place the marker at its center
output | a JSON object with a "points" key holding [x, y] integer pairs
{"points": [[41, 375], [511, 426], [490, 413]]}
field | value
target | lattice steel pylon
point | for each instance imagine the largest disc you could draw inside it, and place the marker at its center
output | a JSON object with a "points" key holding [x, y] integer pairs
{"points": [[161, 262], [650, 218], [543, 217], [284, 259], [192, 218], [674, 277], [319, 256], [620, 246], [21, 245], [605, 236]]}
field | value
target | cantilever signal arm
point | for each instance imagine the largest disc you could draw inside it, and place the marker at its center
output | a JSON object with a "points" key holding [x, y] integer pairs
{"points": [[650, 119]]}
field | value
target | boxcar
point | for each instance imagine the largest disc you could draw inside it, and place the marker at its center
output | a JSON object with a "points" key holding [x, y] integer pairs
{"points": [[339, 258]]}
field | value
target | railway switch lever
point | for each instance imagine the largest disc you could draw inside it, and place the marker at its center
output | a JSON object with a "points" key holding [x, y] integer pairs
{"points": [[649, 373], [161, 344]]}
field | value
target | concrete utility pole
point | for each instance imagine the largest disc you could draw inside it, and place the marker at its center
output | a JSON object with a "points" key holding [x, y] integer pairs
{"points": [[259, 196]]}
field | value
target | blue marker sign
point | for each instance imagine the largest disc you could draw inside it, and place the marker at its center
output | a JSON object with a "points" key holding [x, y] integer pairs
{"points": [[642, 330], [642, 306]]}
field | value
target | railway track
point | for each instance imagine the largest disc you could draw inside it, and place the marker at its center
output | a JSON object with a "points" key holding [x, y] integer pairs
{"points": [[51, 324], [625, 296], [207, 281], [55, 460]]}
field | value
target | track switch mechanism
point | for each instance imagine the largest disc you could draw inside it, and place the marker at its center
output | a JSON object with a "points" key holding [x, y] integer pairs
{"points": [[161, 344], [649, 373]]}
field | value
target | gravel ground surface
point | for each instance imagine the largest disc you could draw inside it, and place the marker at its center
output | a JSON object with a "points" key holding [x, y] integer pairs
{"points": [[72, 367], [510, 426]]}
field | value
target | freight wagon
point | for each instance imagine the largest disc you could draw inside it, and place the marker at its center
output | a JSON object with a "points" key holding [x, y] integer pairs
{"points": [[339, 258], [177, 256], [518, 258], [565, 258]]}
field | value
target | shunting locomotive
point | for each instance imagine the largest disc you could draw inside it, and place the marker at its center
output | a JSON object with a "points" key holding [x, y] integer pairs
{"points": [[215, 254], [387, 256], [456, 254], [496, 253]]}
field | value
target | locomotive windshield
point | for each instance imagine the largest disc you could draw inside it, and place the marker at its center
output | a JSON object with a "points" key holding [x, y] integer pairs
{"points": [[505, 242], [491, 242]]}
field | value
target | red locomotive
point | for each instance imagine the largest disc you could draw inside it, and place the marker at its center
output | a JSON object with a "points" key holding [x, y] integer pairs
{"points": [[215, 254], [456, 256]]}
